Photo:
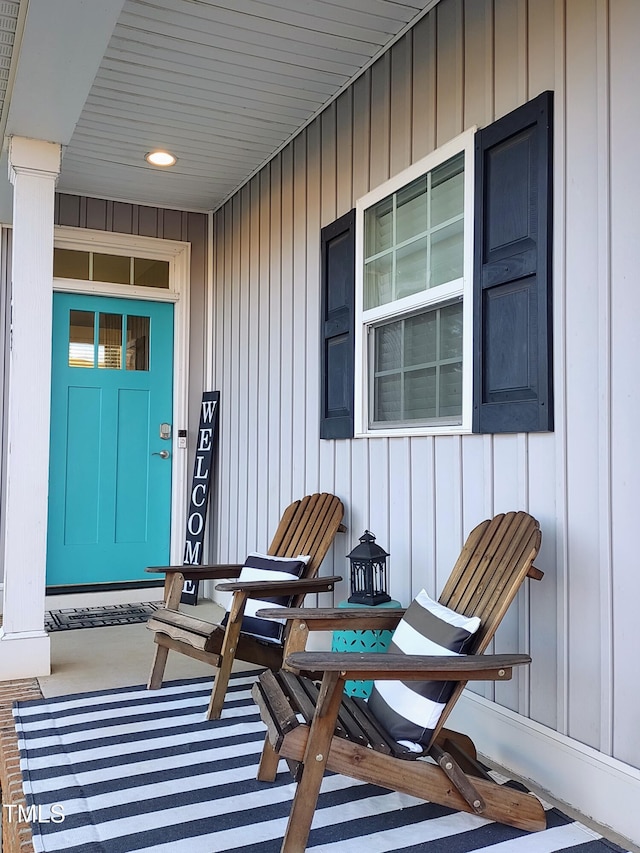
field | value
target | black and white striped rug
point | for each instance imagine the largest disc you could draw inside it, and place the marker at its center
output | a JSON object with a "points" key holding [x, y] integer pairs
{"points": [[132, 770]]}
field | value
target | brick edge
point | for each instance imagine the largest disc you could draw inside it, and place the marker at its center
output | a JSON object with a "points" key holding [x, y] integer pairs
{"points": [[16, 837]]}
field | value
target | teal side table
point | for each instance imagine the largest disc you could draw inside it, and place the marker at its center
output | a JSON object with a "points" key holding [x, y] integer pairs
{"points": [[361, 641]]}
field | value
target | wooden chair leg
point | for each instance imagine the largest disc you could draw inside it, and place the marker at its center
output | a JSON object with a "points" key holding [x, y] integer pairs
{"points": [[315, 760], [268, 767], [157, 667], [227, 656], [173, 584]]}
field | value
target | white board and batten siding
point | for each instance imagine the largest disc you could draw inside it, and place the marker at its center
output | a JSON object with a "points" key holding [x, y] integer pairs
{"points": [[467, 62]]}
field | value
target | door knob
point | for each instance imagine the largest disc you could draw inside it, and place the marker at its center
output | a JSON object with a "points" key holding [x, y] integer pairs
{"points": [[163, 454]]}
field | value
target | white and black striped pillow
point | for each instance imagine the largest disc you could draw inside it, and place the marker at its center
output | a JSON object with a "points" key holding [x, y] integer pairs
{"points": [[409, 710], [261, 567]]}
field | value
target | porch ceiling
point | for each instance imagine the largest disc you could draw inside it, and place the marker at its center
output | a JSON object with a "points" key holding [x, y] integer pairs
{"points": [[222, 85]]}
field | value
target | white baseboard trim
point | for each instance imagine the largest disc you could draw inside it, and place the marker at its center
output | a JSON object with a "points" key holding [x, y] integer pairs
{"points": [[599, 787]]}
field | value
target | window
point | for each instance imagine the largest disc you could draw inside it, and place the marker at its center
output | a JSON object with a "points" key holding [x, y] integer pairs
{"points": [[437, 291], [108, 354], [116, 269], [413, 297]]}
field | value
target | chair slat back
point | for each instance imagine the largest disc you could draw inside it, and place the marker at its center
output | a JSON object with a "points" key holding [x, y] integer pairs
{"points": [[492, 565], [308, 526], [491, 568]]}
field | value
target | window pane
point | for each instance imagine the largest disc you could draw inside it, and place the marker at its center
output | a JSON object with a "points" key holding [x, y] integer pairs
{"points": [[110, 341], [418, 368], [81, 338], [137, 356], [388, 347], [446, 254], [428, 212], [447, 191], [378, 226], [411, 210], [150, 273], [450, 403], [387, 395], [378, 281], [421, 394], [411, 268], [451, 331], [420, 339], [67, 263], [112, 268]]}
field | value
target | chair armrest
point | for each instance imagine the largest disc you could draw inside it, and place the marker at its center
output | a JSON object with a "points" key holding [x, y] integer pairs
{"points": [[338, 618], [354, 665], [282, 587], [208, 572]]}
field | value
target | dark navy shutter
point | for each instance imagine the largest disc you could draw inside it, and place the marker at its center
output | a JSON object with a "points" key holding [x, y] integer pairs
{"points": [[337, 329], [512, 373]]}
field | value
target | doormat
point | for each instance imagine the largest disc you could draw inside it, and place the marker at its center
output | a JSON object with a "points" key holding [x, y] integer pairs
{"points": [[98, 617]]}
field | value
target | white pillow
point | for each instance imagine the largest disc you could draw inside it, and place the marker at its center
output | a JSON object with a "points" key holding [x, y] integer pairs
{"points": [[409, 710], [262, 567]]}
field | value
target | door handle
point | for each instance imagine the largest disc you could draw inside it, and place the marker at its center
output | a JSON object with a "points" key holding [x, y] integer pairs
{"points": [[163, 454]]}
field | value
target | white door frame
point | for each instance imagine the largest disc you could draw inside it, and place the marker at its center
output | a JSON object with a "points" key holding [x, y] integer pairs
{"points": [[178, 254]]}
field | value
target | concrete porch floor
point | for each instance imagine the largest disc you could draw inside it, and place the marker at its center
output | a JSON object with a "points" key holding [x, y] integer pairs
{"points": [[117, 656], [110, 657]]}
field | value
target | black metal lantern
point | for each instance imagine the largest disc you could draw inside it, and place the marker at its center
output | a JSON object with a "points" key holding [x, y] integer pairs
{"points": [[368, 572]]}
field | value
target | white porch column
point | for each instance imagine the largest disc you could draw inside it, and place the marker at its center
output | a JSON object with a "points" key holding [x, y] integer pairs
{"points": [[24, 645]]}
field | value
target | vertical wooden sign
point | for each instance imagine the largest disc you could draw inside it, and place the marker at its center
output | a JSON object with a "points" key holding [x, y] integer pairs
{"points": [[200, 487]]}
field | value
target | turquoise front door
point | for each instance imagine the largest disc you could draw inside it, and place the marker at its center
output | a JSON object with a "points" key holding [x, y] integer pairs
{"points": [[110, 457]]}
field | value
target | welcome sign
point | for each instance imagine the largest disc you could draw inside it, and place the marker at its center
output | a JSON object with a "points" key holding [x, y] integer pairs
{"points": [[200, 487]]}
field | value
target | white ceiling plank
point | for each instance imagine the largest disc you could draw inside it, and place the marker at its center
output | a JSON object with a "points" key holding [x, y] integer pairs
{"points": [[152, 86], [155, 131], [94, 134], [195, 21], [113, 122], [382, 16], [381, 8], [285, 117], [278, 84], [239, 41], [162, 46], [289, 23]]}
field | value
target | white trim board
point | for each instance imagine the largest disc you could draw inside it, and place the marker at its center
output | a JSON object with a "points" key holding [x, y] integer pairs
{"points": [[602, 788]]}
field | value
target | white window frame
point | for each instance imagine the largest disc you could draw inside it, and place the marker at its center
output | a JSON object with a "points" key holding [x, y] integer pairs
{"points": [[366, 320]]}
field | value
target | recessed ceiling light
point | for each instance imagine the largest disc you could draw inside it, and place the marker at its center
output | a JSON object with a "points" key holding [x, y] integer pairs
{"points": [[160, 158]]}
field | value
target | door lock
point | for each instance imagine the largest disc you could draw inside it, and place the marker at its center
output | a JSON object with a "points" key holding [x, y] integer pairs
{"points": [[165, 431], [163, 454]]}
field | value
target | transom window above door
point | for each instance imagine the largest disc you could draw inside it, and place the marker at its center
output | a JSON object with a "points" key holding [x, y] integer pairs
{"points": [[108, 341], [114, 269]]}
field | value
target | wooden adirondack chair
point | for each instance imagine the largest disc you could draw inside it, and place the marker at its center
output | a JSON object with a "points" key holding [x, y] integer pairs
{"points": [[340, 734], [308, 527]]}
